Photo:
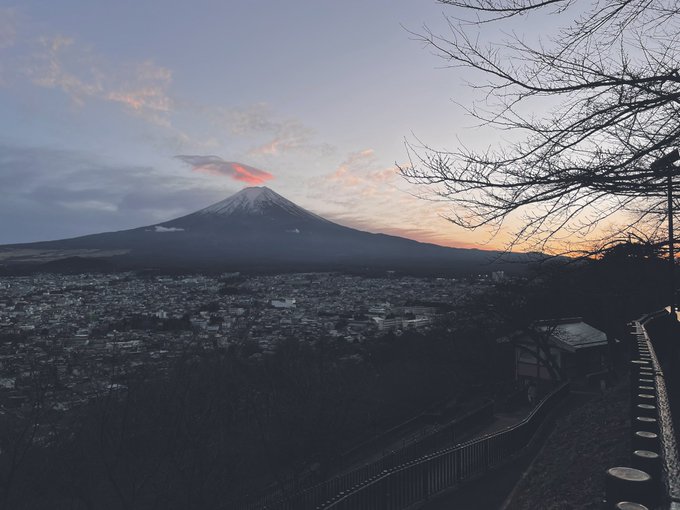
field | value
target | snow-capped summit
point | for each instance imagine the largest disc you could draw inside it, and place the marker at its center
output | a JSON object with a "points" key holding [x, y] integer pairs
{"points": [[251, 211], [256, 200], [252, 200], [255, 228]]}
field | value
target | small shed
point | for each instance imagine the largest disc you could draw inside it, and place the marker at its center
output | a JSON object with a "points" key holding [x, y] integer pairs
{"points": [[576, 348]]}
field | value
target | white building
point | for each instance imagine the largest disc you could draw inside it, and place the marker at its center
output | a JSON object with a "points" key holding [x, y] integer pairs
{"points": [[283, 303]]}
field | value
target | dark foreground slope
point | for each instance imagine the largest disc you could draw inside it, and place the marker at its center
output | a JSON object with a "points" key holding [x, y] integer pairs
{"points": [[568, 473], [564, 471]]}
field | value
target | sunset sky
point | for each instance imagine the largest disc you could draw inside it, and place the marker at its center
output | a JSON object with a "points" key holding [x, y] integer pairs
{"points": [[120, 114]]}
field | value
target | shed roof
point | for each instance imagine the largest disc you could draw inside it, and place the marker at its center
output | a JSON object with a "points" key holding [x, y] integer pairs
{"points": [[573, 334]]}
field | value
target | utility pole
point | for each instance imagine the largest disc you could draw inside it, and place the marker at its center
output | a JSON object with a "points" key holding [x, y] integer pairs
{"points": [[665, 163], [671, 243]]}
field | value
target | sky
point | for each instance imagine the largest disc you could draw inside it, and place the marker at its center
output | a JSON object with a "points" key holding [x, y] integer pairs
{"points": [[116, 115]]}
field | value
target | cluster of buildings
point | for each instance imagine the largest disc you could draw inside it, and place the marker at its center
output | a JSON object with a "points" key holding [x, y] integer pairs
{"points": [[85, 334]]}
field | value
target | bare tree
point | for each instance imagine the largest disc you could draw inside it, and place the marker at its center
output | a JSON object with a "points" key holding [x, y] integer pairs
{"points": [[19, 435], [589, 108], [540, 336]]}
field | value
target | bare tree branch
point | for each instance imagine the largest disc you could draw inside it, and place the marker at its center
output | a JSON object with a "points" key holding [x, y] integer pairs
{"points": [[611, 80]]}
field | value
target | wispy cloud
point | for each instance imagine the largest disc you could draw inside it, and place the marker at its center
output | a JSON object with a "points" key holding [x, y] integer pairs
{"points": [[363, 193], [8, 29], [214, 165], [244, 121], [278, 145], [48, 71], [141, 87], [144, 89], [359, 170], [358, 176], [272, 134], [145, 92]]}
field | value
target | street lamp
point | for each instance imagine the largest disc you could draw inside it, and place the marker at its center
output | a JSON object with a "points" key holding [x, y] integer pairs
{"points": [[666, 163]]}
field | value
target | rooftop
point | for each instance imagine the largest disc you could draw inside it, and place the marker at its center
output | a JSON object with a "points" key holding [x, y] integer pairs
{"points": [[573, 334]]}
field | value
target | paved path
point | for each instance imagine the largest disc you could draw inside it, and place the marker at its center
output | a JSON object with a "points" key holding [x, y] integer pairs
{"points": [[500, 421], [476, 495], [489, 492], [503, 420]]}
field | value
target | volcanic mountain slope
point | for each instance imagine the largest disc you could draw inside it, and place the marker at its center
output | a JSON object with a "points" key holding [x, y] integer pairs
{"points": [[256, 227]]}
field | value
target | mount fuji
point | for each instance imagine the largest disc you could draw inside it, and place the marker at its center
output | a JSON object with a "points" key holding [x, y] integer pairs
{"points": [[254, 229]]}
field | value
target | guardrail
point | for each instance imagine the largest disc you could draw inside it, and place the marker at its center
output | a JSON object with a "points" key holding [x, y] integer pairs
{"points": [[415, 481], [653, 480], [312, 496]]}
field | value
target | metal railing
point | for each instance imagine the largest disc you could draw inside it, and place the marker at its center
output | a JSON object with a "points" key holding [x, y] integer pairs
{"points": [[669, 447], [312, 496], [652, 422], [415, 481]]}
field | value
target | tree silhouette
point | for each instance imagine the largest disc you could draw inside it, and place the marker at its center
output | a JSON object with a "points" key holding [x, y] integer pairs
{"points": [[607, 84]]}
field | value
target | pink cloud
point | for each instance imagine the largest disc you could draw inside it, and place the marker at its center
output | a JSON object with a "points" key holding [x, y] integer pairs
{"points": [[275, 146], [356, 171], [141, 88], [214, 165]]}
